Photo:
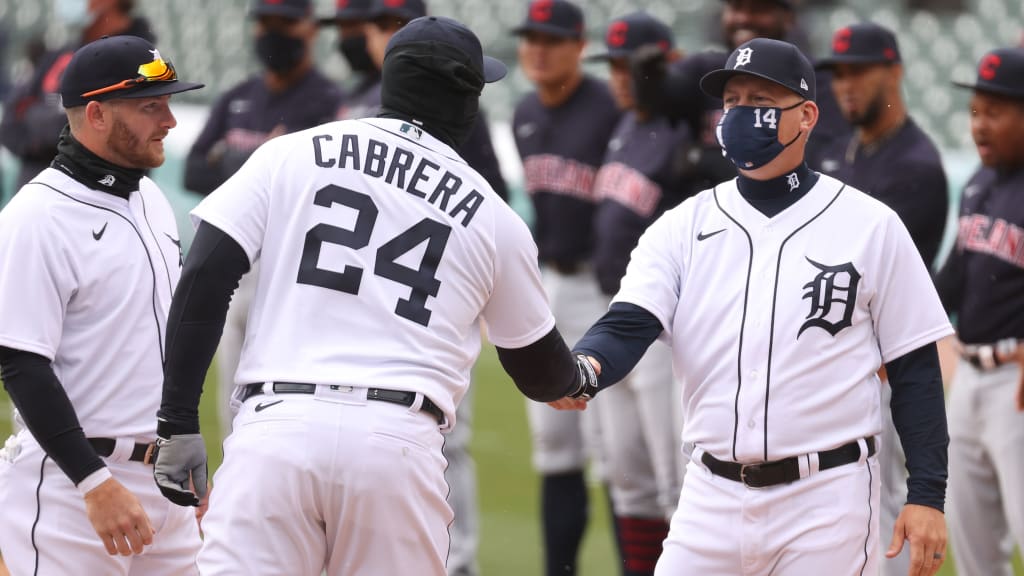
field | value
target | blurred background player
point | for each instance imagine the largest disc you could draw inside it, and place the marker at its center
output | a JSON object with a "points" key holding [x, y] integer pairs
{"points": [[642, 176], [561, 131], [350, 21], [675, 90], [890, 158], [290, 94], [381, 19], [982, 283], [33, 116]]}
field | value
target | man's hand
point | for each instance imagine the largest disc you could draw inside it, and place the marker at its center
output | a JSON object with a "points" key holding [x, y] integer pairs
{"points": [[589, 377], [180, 464], [118, 518], [204, 505], [925, 529]]}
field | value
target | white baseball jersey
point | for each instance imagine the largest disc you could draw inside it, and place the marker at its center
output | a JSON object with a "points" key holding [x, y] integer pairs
{"points": [[779, 325], [380, 252], [86, 279]]}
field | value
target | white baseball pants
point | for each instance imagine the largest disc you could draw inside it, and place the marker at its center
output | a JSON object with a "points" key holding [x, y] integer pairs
{"points": [[328, 482], [826, 523]]}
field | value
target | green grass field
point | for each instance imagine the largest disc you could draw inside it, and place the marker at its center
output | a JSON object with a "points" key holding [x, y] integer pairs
{"points": [[510, 537]]}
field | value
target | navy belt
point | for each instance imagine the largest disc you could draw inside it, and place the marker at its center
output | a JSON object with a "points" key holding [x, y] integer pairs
{"points": [[783, 471], [401, 397], [140, 452]]}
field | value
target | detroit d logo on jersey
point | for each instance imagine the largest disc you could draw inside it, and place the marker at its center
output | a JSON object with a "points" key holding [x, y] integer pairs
{"points": [[832, 295]]}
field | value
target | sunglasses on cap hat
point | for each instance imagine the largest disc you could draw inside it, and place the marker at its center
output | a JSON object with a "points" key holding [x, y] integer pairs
{"points": [[158, 70]]}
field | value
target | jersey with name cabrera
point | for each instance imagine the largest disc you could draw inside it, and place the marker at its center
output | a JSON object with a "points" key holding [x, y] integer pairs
{"points": [[397, 251], [779, 325], [70, 260]]}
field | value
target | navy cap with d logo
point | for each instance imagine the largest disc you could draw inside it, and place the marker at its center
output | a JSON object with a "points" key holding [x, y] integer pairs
{"points": [[118, 67], [553, 17], [441, 35], [774, 60], [864, 43], [1001, 72], [632, 31]]}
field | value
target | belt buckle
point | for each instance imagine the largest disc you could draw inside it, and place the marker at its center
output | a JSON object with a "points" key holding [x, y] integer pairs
{"points": [[743, 475], [147, 459]]}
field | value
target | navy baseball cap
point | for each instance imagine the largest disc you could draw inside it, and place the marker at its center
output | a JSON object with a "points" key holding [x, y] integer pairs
{"points": [[783, 3], [864, 43], [407, 10], [632, 31], [297, 9], [438, 30], [773, 60], [1001, 72], [553, 17], [118, 67], [348, 11]]}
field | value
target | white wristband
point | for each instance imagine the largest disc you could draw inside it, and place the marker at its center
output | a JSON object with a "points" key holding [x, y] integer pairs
{"points": [[93, 480]]}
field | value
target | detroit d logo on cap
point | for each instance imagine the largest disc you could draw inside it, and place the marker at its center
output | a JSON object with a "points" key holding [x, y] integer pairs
{"points": [[743, 57], [833, 297]]}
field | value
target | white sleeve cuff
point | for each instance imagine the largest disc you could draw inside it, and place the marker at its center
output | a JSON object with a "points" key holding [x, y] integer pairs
{"points": [[93, 480]]}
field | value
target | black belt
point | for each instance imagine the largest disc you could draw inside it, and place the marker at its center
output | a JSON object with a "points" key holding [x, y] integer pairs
{"points": [[402, 397], [783, 471], [140, 453], [986, 356]]}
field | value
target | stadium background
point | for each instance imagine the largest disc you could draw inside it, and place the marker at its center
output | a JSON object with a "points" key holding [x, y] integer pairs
{"points": [[210, 41]]}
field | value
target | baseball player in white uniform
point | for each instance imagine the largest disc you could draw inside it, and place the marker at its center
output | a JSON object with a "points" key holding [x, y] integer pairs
{"points": [[782, 292], [381, 252], [89, 258]]}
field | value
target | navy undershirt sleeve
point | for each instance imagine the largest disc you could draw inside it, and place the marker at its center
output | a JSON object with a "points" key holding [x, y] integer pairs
{"points": [[543, 371], [619, 340], [919, 414], [211, 272], [47, 412]]}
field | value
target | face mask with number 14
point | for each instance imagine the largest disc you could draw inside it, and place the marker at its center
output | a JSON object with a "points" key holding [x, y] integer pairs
{"points": [[749, 135]]}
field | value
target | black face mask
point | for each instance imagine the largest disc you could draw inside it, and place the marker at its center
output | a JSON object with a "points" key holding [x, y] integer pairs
{"points": [[279, 52], [353, 48], [433, 86]]}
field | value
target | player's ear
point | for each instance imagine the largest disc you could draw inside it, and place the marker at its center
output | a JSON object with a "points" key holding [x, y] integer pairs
{"points": [[808, 116], [98, 115]]}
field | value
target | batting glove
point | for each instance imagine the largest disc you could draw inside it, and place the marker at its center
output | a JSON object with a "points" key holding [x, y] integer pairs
{"points": [[179, 459], [588, 379]]}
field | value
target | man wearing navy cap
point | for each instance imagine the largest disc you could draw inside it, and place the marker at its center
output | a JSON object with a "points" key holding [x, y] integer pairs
{"points": [[382, 254], [782, 292], [90, 257], [893, 160], [640, 179], [350, 19], [562, 131], [982, 283]]}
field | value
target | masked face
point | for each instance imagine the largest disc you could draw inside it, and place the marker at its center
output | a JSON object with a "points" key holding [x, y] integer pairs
{"points": [[749, 135], [353, 48], [281, 43]]}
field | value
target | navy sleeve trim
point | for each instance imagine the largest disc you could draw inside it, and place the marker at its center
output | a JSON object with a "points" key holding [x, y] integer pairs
{"points": [[619, 340], [543, 371], [209, 277], [919, 414], [47, 412]]}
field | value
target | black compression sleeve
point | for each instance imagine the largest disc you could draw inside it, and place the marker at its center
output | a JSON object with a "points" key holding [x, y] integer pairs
{"points": [[47, 412], [543, 371], [619, 340], [919, 413], [211, 272]]}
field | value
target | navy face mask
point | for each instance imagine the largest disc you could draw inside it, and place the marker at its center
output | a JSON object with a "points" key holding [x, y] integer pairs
{"points": [[749, 135], [280, 52]]}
